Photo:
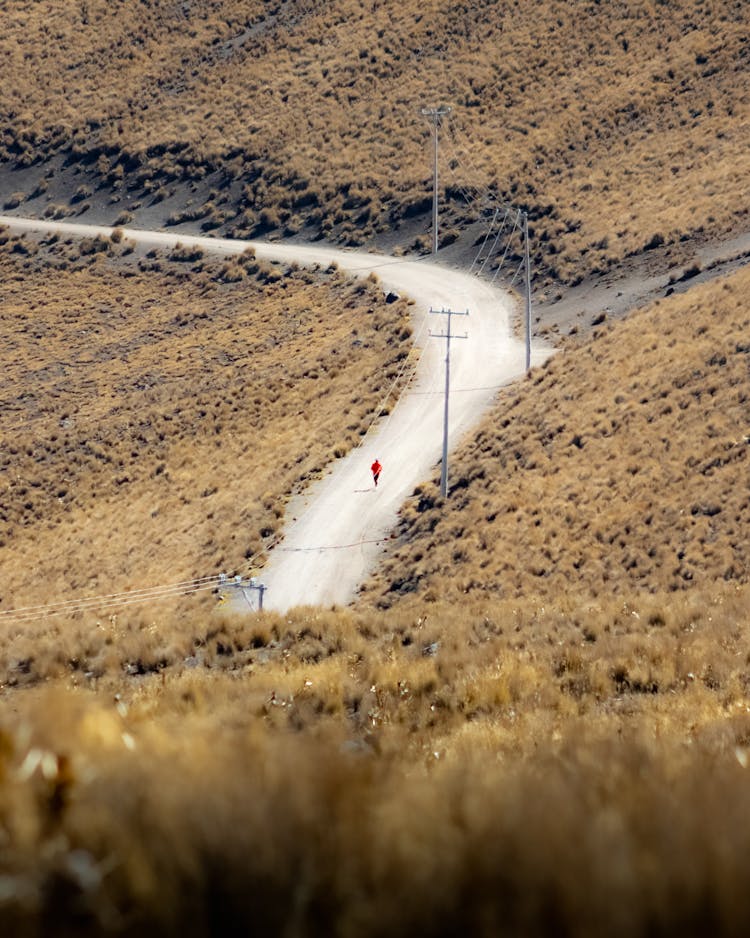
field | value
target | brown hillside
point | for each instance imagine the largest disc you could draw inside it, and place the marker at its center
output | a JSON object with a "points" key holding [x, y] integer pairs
{"points": [[553, 762], [157, 411], [537, 720], [621, 126], [620, 466], [517, 768]]}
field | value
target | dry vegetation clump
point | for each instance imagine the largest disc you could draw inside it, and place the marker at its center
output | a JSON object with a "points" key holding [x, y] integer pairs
{"points": [[538, 719], [619, 466], [355, 773], [564, 754], [156, 412], [621, 127]]}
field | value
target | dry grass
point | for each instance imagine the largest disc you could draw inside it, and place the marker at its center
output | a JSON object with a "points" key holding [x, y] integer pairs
{"points": [[621, 126], [536, 721], [618, 466], [355, 773], [157, 412]]}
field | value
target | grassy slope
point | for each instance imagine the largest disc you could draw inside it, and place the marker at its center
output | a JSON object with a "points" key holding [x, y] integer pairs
{"points": [[157, 412], [547, 732], [618, 125], [568, 759], [620, 465]]}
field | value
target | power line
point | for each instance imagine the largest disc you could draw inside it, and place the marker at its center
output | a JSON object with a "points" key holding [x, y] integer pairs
{"points": [[473, 171], [484, 241], [520, 223], [527, 260], [494, 258], [111, 600], [305, 550], [479, 185]]}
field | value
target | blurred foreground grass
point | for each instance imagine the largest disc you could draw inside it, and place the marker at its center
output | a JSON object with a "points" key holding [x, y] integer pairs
{"points": [[567, 769]]}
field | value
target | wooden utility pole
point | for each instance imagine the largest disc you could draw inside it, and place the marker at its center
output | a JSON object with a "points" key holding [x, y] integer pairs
{"points": [[447, 335], [527, 262], [434, 114]]}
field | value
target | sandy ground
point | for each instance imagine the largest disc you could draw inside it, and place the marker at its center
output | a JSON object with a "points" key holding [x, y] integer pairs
{"points": [[635, 283], [336, 531]]}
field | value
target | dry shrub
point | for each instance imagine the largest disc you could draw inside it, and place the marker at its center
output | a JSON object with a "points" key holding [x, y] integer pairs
{"points": [[14, 200], [630, 137], [616, 466], [185, 804], [149, 392]]}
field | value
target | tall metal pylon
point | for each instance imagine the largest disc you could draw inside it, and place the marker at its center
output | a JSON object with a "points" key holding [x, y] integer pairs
{"points": [[434, 114]]}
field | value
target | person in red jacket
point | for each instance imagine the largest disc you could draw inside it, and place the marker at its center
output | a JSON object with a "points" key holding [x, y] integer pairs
{"points": [[376, 469]]}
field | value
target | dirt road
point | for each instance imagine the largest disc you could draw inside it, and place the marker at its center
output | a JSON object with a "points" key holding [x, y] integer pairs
{"points": [[335, 532]]}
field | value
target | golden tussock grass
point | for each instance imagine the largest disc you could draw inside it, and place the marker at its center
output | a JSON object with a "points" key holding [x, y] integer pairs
{"points": [[619, 126], [619, 465], [356, 773], [536, 719], [157, 412]]}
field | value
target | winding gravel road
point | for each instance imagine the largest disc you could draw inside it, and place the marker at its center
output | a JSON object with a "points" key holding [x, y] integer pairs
{"points": [[336, 530]]}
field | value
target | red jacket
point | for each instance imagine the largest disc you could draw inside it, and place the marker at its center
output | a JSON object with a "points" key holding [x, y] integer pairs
{"points": [[375, 467]]}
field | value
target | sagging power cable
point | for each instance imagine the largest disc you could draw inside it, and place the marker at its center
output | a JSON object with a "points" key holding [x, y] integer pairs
{"points": [[111, 600]]}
